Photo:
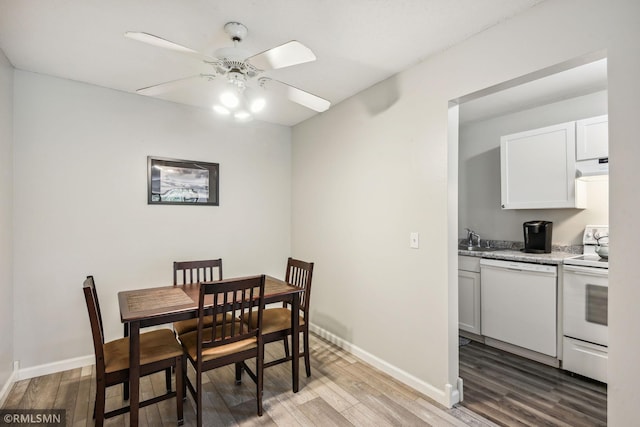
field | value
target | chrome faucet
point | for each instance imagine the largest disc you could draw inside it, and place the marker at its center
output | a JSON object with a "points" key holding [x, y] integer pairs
{"points": [[470, 235]]}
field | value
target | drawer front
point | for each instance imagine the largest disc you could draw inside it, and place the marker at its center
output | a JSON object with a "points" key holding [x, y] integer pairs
{"points": [[589, 360], [469, 263]]}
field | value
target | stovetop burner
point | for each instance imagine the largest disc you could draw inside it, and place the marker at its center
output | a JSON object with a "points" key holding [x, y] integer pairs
{"points": [[589, 257]]}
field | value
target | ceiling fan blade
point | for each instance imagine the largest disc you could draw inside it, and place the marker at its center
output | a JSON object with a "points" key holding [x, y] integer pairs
{"points": [[301, 97], [161, 88], [160, 42], [285, 55]]}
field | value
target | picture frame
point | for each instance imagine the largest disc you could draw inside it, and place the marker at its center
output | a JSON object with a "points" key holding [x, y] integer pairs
{"points": [[182, 182]]}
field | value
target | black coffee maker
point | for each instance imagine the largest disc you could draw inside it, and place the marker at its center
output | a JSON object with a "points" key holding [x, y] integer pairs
{"points": [[537, 236]]}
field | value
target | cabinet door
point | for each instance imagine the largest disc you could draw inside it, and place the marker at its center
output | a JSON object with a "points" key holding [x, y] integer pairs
{"points": [[592, 138], [469, 301], [538, 169]]}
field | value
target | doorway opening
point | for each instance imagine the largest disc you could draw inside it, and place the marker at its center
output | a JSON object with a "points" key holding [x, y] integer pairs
{"points": [[570, 91]]}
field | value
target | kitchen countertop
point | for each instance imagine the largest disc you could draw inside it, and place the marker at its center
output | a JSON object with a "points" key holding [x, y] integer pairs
{"points": [[511, 251], [553, 258]]}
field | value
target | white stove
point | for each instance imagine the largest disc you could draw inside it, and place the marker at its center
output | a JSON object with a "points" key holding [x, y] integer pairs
{"points": [[585, 308], [589, 257]]}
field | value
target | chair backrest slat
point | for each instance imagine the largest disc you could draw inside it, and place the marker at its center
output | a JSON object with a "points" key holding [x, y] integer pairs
{"points": [[185, 272], [232, 299]]}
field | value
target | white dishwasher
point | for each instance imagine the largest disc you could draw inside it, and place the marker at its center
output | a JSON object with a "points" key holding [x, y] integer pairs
{"points": [[519, 303]]}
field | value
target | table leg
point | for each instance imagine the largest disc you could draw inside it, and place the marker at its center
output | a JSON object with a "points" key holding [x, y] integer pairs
{"points": [[134, 373], [125, 387], [295, 341]]}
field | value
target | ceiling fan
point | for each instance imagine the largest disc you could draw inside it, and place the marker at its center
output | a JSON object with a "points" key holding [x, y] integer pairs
{"points": [[241, 71]]}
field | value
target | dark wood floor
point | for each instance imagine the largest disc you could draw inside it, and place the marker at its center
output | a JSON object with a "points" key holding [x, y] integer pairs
{"points": [[512, 391]]}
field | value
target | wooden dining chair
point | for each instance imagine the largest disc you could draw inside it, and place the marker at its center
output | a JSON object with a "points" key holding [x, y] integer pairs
{"points": [[229, 339], [159, 351], [187, 272], [276, 324]]}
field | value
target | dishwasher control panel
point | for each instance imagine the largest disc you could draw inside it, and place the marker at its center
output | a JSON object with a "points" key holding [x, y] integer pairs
{"points": [[519, 266]]}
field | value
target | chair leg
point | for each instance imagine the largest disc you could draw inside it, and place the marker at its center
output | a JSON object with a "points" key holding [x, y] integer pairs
{"points": [[260, 377], [184, 377], [285, 341], [307, 362], [199, 398], [167, 379], [100, 403], [179, 389], [239, 370]]}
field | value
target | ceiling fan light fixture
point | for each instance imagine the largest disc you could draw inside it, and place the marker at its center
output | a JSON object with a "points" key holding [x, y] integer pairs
{"points": [[242, 116], [229, 99], [258, 105], [221, 110]]}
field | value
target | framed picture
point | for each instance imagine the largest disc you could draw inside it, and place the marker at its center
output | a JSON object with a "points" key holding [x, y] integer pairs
{"points": [[182, 182]]}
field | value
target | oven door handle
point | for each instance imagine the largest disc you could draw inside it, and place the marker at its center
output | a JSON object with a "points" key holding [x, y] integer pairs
{"points": [[587, 271]]}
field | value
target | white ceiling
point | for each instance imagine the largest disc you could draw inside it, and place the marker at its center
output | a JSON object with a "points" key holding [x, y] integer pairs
{"points": [[577, 81], [357, 42]]}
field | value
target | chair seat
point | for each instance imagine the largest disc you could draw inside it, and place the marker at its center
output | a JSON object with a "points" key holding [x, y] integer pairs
{"points": [[190, 344], [184, 326], [274, 319], [154, 346]]}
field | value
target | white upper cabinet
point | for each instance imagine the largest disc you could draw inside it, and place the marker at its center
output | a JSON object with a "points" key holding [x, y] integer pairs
{"points": [[592, 138], [538, 169]]}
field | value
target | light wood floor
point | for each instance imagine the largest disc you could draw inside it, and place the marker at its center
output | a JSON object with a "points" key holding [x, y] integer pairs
{"points": [[342, 391]]}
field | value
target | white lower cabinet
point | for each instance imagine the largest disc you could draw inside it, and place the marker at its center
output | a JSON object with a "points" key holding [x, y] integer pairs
{"points": [[469, 294]]}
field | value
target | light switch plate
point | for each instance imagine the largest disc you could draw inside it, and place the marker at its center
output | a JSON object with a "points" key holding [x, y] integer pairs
{"points": [[414, 240]]}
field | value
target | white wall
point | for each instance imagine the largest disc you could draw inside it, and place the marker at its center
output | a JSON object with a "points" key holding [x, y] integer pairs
{"points": [[81, 205], [6, 221], [479, 175], [375, 167]]}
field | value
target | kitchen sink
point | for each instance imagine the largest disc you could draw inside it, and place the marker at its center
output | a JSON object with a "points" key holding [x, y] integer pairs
{"points": [[476, 248]]}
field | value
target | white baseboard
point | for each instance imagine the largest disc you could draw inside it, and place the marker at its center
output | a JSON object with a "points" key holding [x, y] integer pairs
{"points": [[7, 385], [52, 368], [447, 397], [529, 354]]}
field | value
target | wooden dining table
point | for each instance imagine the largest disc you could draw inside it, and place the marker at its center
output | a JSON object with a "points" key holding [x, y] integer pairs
{"points": [[142, 308]]}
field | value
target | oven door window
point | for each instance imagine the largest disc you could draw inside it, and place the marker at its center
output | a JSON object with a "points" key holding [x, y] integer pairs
{"points": [[597, 303]]}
